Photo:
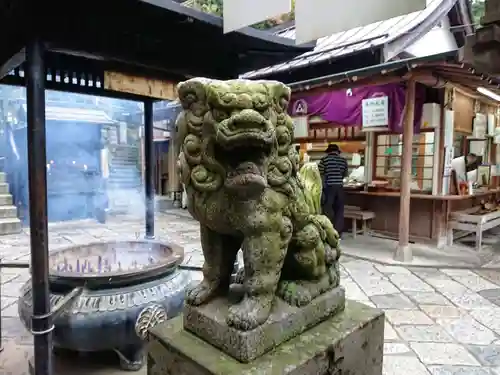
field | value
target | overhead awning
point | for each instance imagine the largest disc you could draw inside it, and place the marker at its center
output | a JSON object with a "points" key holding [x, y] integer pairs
{"points": [[393, 36], [153, 35]]}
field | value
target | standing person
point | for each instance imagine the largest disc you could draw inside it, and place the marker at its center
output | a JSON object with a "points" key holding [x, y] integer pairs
{"points": [[333, 169]]}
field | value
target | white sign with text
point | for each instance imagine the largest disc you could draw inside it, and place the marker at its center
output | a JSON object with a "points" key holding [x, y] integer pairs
{"points": [[375, 112]]}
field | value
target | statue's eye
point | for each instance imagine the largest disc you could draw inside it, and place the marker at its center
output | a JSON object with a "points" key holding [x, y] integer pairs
{"points": [[260, 102], [219, 115]]}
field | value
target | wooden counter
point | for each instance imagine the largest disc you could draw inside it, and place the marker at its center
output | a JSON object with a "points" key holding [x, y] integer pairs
{"points": [[429, 214], [426, 196]]}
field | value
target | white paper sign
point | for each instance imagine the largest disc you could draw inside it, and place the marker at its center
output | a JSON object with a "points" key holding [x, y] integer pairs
{"points": [[496, 138], [301, 127], [375, 112], [356, 159], [491, 124], [480, 126]]}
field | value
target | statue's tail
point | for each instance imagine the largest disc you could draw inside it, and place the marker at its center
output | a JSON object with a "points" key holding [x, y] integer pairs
{"points": [[311, 181]]}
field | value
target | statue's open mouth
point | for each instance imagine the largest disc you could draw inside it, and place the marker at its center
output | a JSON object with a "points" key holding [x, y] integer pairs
{"points": [[245, 163]]}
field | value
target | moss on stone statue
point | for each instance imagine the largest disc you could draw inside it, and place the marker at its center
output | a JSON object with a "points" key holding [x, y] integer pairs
{"points": [[356, 336], [240, 171]]}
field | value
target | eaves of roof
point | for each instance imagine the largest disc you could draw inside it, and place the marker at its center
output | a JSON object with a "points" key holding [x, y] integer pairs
{"points": [[402, 30]]}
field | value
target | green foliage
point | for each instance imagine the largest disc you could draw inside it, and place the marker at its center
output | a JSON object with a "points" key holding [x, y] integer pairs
{"points": [[477, 7], [215, 7]]}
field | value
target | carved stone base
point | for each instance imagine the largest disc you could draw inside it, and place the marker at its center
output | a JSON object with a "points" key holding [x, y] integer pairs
{"points": [[350, 342], [209, 323]]}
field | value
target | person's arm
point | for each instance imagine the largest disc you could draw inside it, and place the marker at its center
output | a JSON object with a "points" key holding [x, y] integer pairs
{"points": [[346, 169], [321, 167]]}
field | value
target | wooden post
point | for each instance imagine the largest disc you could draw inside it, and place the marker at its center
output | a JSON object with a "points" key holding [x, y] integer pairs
{"points": [[403, 251]]}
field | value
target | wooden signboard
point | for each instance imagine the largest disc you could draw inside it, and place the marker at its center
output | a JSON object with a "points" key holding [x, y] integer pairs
{"points": [[463, 106], [153, 88]]}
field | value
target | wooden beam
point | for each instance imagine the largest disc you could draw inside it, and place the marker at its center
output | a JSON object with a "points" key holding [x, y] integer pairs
{"points": [[153, 88], [403, 251]]}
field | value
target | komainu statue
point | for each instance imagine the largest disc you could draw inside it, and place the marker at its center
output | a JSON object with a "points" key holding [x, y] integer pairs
{"points": [[240, 171]]}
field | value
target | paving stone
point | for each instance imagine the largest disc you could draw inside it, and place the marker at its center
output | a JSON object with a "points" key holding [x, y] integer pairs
{"points": [[6, 301], [389, 332], [12, 288], [490, 275], [466, 330], [407, 317], [353, 291], [12, 328], [487, 355], [470, 280], [423, 333], [458, 370], [467, 300], [14, 359], [492, 295], [361, 269], [396, 348], [343, 273], [393, 301], [446, 283], [392, 269], [443, 354], [410, 283], [428, 298], [10, 311], [400, 364], [413, 297], [435, 311], [375, 287], [7, 278], [425, 272]]}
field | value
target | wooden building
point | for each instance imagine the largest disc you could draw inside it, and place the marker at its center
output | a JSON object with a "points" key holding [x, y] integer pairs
{"points": [[431, 108]]}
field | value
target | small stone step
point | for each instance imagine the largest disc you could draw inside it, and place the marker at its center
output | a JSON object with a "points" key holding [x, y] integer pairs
{"points": [[8, 212], [10, 226], [5, 200], [4, 188], [3, 177]]}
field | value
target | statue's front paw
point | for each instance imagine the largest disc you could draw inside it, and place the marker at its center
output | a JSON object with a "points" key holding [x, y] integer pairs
{"points": [[250, 313], [201, 293], [294, 294], [239, 278]]}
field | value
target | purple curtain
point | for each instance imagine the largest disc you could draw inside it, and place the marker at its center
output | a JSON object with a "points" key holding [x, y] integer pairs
{"points": [[343, 107]]}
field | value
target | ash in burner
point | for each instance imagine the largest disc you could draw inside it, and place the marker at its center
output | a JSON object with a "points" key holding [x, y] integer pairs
{"points": [[108, 258]]}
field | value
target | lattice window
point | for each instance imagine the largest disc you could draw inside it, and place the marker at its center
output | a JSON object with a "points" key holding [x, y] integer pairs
{"points": [[388, 151]]}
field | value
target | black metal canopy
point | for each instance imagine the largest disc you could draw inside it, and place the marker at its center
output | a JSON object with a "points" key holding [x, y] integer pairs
{"points": [[159, 37], [68, 46]]}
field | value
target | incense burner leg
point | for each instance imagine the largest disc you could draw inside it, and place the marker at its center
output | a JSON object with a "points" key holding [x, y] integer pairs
{"points": [[132, 358]]}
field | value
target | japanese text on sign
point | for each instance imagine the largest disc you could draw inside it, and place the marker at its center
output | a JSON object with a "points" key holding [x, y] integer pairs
{"points": [[375, 112]]}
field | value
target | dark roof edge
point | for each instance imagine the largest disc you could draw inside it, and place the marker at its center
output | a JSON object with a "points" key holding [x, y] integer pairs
{"points": [[401, 42], [371, 70], [217, 21]]}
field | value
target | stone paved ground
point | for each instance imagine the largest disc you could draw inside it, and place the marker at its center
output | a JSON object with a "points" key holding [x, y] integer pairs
{"points": [[439, 321]]}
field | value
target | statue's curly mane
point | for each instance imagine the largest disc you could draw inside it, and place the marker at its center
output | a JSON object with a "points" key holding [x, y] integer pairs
{"points": [[198, 167]]}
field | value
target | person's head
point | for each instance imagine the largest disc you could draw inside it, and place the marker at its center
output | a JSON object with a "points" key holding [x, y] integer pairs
{"points": [[471, 159], [333, 149]]}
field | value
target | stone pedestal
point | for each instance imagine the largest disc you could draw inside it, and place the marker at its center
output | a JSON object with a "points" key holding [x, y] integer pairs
{"points": [[349, 342]]}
